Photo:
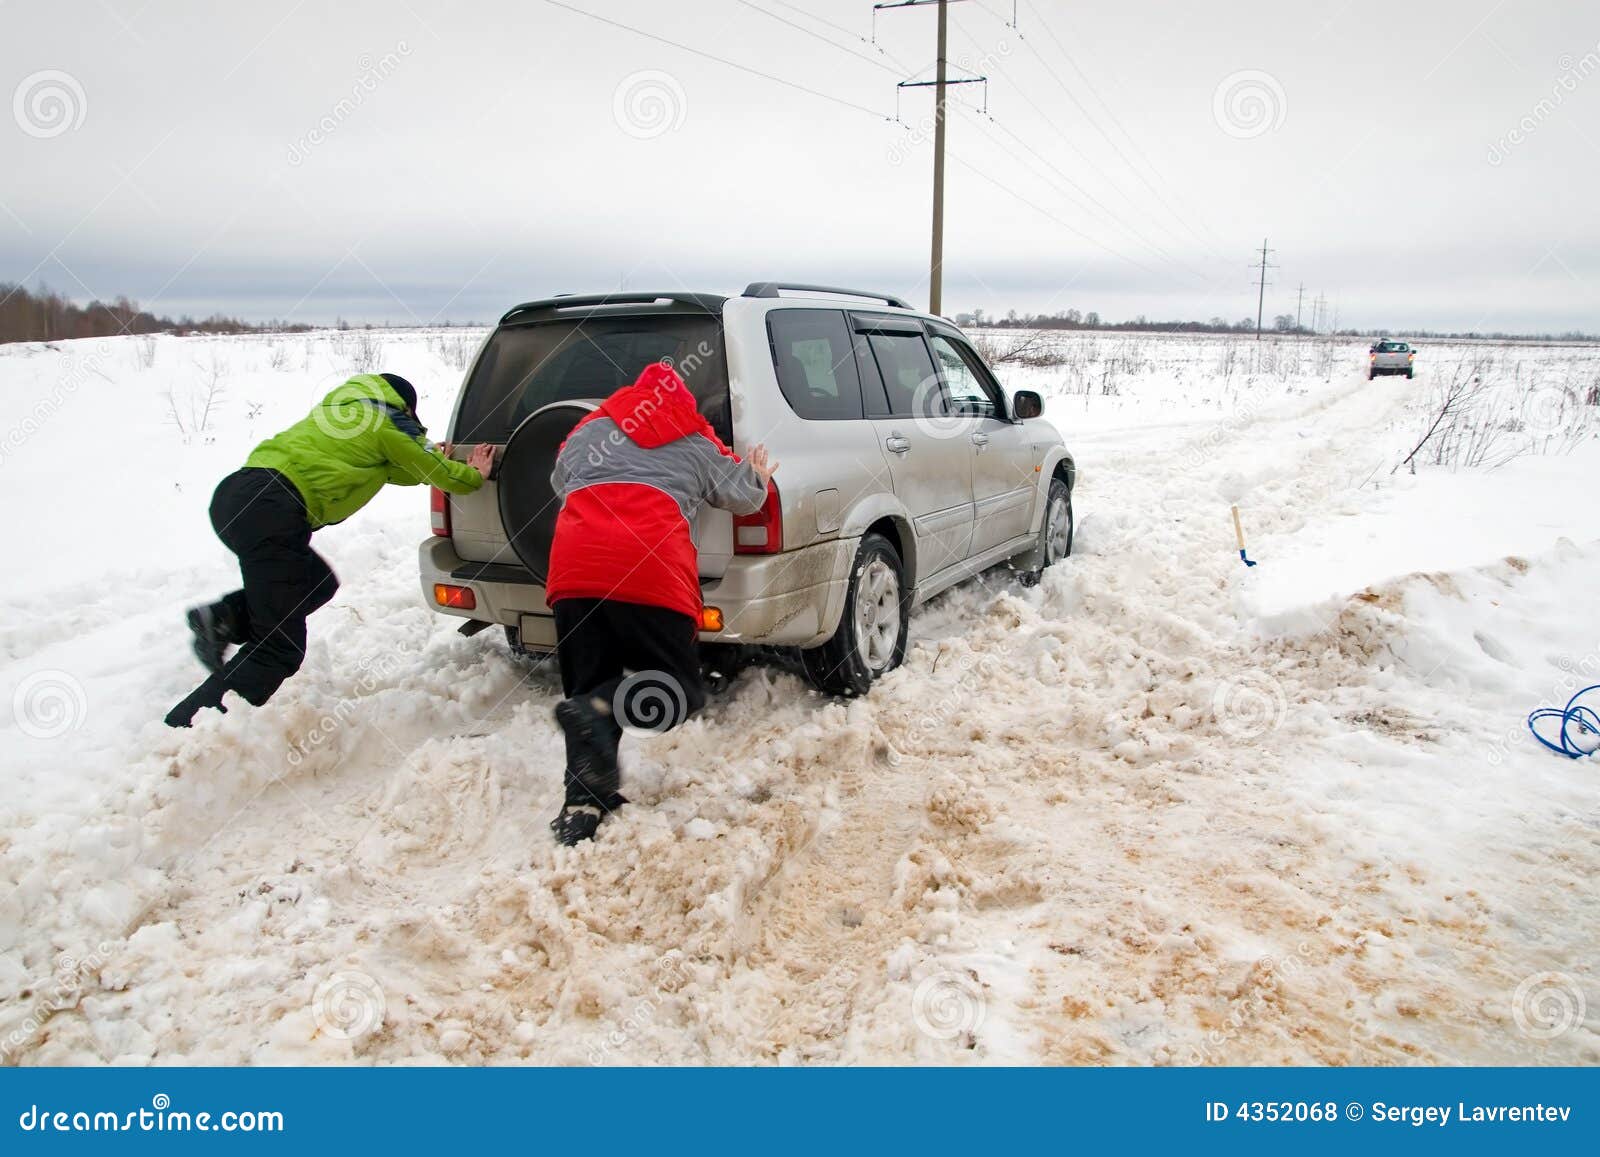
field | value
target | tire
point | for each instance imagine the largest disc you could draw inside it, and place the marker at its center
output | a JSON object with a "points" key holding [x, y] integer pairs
{"points": [[1371, 374], [1410, 374], [1055, 531], [523, 654], [869, 642]]}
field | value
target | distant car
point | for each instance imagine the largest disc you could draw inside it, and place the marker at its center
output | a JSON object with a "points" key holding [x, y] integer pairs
{"points": [[1391, 357], [906, 468]]}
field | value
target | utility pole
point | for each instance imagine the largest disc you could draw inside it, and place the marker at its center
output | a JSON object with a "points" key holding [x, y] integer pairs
{"points": [[940, 83], [1299, 298], [1261, 292]]}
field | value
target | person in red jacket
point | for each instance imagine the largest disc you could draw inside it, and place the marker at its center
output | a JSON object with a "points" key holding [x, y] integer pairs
{"points": [[624, 579]]}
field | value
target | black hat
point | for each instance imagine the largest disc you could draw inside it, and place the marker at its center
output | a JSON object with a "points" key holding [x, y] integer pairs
{"points": [[407, 392]]}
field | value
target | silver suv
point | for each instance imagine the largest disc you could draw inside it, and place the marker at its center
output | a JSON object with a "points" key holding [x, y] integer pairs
{"points": [[1391, 357], [905, 467]]}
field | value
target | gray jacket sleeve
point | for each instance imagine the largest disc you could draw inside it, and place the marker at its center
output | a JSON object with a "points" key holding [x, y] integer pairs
{"points": [[731, 485]]}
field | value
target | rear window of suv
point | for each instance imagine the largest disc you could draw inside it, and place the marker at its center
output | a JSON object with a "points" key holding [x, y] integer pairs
{"points": [[526, 367], [814, 355]]}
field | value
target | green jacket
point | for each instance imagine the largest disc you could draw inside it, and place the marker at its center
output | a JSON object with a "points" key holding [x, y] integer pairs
{"points": [[355, 440]]}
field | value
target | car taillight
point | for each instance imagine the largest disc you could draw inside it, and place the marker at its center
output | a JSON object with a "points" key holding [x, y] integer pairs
{"points": [[761, 532], [439, 512], [439, 504], [452, 596]]}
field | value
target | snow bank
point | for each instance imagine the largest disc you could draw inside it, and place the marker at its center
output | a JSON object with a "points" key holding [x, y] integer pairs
{"points": [[1160, 809]]}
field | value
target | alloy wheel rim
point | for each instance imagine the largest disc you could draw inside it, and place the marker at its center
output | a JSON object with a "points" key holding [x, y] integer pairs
{"points": [[877, 614], [1060, 527]]}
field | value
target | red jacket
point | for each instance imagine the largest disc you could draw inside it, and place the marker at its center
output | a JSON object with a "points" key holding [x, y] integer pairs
{"points": [[631, 477]]}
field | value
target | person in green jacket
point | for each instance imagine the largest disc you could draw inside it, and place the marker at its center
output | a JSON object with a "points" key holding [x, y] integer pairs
{"points": [[318, 472]]}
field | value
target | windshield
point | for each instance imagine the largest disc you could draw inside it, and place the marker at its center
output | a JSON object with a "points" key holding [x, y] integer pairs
{"points": [[525, 367]]}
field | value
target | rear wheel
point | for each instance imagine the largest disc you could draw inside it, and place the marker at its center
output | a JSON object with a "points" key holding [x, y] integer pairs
{"points": [[871, 639], [1411, 374]]}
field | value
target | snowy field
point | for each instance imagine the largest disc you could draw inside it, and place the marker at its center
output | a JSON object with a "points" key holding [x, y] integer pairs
{"points": [[1161, 809]]}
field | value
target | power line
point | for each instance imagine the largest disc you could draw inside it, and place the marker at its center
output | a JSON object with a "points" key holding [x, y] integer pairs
{"points": [[839, 100], [1068, 141], [1094, 92], [1042, 211], [1116, 148], [818, 36], [1106, 214]]}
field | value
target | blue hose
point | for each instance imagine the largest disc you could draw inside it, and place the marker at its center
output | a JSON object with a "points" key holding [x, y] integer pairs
{"points": [[1578, 718]]}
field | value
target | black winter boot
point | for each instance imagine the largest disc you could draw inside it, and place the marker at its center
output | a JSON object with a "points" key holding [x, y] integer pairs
{"points": [[592, 740], [214, 629]]}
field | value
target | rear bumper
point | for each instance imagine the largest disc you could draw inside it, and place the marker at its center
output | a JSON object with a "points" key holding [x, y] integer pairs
{"points": [[793, 599]]}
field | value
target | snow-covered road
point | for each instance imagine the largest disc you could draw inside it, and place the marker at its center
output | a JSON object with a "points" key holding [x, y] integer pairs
{"points": [[1159, 809]]}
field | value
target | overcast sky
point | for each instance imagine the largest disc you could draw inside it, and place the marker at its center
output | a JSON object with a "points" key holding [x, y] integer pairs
{"points": [[1420, 164]]}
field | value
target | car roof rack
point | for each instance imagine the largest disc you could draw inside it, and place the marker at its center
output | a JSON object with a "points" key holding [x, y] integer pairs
{"points": [[775, 288], [666, 301]]}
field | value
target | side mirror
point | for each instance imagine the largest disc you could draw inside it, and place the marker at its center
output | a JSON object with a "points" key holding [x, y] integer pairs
{"points": [[1027, 404]]}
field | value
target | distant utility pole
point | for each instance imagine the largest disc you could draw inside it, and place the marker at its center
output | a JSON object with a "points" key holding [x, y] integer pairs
{"points": [[1261, 292], [1299, 298], [1317, 309], [936, 261]]}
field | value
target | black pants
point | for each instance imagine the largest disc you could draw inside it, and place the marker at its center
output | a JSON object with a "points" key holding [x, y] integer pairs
{"points": [[642, 662], [260, 516]]}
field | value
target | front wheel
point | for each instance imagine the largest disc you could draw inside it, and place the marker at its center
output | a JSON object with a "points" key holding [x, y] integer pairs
{"points": [[1055, 534], [871, 639]]}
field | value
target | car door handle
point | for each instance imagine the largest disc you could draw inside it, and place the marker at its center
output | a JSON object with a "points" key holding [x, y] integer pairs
{"points": [[980, 440], [896, 444]]}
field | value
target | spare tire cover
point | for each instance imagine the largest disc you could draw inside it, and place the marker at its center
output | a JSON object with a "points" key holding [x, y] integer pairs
{"points": [[528, 504]]}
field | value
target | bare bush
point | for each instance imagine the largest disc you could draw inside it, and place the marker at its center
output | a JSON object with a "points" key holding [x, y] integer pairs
{"points": [[193, 409], [455, 350]]}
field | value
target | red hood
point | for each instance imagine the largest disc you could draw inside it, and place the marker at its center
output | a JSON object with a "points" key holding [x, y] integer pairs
{"points": [[658, 408]]}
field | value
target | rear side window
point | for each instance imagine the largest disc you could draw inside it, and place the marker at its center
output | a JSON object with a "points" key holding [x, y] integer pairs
{"points": [[525, 367], [909, 380], [816, 363]]}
